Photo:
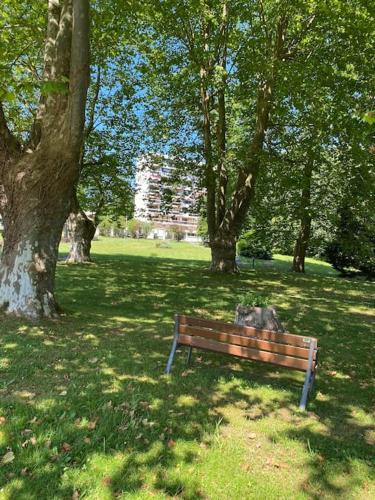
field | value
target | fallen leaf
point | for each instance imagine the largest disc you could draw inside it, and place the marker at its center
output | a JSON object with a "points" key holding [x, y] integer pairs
{"points": [[107, 481], [25, 432], [252, 435], [63, 393], [77, 422], [162, 437], [7, 458], [93, 360], [35, 420], [92, 424], [25, 471], [33, 440], [25, 443], [75, 495], [171, 443], [2, 420], [66, 447], [87, 440]]}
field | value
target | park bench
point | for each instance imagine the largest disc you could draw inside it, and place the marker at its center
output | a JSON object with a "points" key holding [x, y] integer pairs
{"points": [[284, 349]]}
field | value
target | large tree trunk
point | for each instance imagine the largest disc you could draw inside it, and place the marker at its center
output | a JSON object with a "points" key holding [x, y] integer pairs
{"points": [[37, 179], [223, 255], [81, 231], [305, 222], [33, 223]]}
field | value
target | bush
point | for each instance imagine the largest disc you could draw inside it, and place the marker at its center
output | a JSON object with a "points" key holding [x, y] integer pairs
{"points": [[202, 230], [146, 228], [252, 299], [353, 246], [249, 245], [134, 228], [176, 232], [139, 229]]}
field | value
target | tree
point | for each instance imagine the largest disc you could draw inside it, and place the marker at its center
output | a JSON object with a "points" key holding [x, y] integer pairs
{"points": [[108, 157], [223, 70], [38, 170], [353, 246]]}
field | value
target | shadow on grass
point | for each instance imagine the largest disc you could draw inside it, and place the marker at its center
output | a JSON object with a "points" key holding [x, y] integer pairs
{"points": [[94, 380]]}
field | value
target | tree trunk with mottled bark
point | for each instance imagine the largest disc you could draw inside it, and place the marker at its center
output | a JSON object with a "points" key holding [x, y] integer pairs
{"points": [[223, 255], [81, 231], [38, 178], [33, 222]]}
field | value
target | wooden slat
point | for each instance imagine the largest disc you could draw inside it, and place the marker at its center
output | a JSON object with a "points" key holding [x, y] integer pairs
{"points": [[244, 352], [263, 345], [248, 331]]}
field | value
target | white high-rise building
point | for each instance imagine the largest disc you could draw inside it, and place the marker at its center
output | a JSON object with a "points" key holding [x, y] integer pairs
{"points": [[165, 203]]}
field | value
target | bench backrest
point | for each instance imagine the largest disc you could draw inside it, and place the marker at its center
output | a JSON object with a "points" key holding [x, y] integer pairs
{"points": [[284, 349]]}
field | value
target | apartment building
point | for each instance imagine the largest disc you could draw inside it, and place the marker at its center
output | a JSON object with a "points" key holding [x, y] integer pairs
{"points": [[165, 203]]}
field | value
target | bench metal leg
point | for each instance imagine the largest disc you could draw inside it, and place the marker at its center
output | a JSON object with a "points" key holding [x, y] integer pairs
{"points": [[190, 352], [171, 355], [305, 390], [174, 347], [309, 378]]}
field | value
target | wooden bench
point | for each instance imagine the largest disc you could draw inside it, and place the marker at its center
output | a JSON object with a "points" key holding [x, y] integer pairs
{"points": [[284, 349]]}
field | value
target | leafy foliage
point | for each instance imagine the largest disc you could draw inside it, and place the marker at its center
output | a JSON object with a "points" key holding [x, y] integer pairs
{"points": [[255, 245], [353, 246], [252, 299]]}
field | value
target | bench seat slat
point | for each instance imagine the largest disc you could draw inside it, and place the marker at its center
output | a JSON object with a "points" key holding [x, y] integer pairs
{"points": [[263, 345], [244, 352], [248, 331]]}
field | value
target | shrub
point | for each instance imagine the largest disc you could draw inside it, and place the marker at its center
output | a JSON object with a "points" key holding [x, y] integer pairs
{"points": [[252, 299], [176, 232], [353, 246], [146, 228], [202, 230], [134, 228], [249, 245], [139, 229]]}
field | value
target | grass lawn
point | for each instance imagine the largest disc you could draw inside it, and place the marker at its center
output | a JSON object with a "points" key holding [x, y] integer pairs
{"points": [[86, 411]]}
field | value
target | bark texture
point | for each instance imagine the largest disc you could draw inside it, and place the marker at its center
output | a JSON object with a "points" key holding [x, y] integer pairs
{"points": [[81, 233], [305, 223], [259, 317], [38, 178], [223, 255]]}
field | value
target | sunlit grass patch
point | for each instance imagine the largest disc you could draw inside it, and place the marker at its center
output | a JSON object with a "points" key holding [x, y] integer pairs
{"points": [[86, 409]]}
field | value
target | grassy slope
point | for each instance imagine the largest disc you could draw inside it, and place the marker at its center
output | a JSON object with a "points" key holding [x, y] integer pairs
{"points": [[221, 429]]}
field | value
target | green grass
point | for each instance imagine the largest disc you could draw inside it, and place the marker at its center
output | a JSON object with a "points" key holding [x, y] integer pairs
{"points": [[86, 410]]}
